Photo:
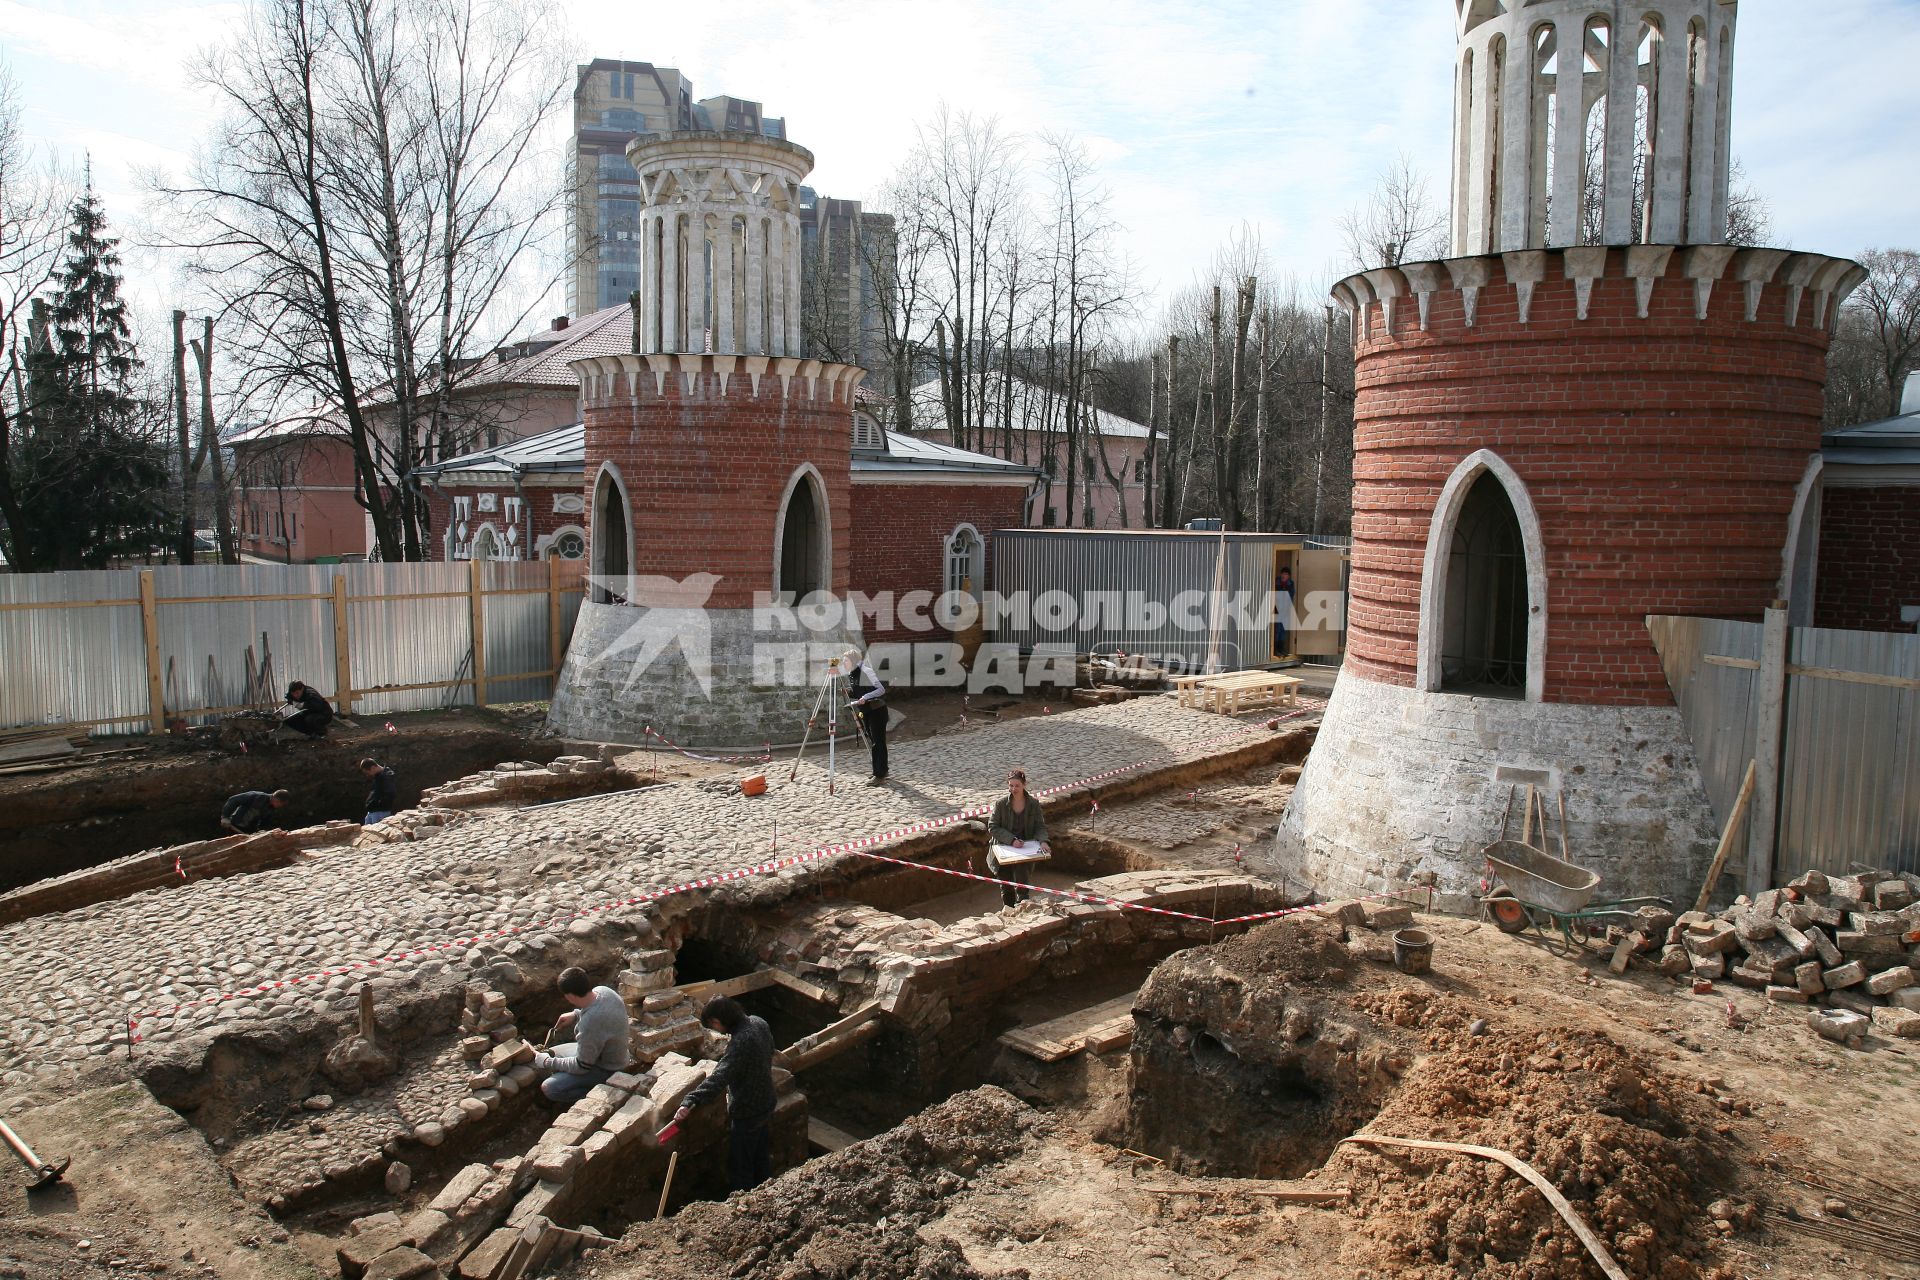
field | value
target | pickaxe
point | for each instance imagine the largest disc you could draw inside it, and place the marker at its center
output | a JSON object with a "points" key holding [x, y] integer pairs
{"points": [[45, 1173]]}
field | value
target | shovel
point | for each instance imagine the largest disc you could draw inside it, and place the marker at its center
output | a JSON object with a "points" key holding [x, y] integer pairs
{"points": [[45, 1174]]}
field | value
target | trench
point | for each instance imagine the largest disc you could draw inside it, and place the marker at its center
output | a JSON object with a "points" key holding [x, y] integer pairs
{"points": [[55, 824]]}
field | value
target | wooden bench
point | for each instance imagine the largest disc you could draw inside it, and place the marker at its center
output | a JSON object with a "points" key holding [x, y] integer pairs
{"points": [[1240, 690]]}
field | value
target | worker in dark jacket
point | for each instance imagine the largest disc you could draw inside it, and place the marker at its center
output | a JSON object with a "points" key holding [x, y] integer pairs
{"points": [[314, 713], [746, 1074], [247, 812], [384, 798]]}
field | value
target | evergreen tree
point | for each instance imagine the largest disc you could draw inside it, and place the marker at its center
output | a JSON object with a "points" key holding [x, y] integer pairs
{"points": [[91, 473]]}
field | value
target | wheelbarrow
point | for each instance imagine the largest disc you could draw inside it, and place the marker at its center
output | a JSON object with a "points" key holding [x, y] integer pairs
{"points": [[1527, 887]]}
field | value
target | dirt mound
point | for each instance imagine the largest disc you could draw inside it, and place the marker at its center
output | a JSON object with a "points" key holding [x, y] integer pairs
{"points": [[1633, 1149], [854, 1215], [1299, 948]]}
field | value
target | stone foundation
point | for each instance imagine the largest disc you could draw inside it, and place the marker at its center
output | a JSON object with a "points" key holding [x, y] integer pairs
{"points": [[605, 694], [1402, 782]]}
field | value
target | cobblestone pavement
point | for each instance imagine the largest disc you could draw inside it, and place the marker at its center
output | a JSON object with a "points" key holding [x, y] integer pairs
{"points": [[68, 983]]}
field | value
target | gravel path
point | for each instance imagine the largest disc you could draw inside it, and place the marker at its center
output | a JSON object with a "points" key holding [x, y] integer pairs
{"points": [[69, 982]]}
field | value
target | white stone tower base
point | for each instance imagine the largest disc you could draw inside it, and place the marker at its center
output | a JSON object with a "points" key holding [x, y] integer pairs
{"points": [[1401, 781], [615, 684]]}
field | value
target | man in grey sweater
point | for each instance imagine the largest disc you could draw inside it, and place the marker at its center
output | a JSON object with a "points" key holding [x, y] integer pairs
{"points": [[600, 1043]]}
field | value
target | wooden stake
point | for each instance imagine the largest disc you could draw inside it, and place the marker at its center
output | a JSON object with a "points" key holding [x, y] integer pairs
{"points": [[1720, 852], [342, 661], [553, 620], [366, 1010], [150, 630], [673, 1163], [477, 612]]}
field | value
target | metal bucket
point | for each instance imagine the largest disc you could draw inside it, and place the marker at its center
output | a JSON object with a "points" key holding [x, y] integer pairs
{"points": [[1413, 950]]}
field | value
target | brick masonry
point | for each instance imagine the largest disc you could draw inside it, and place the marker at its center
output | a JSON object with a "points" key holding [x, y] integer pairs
{"points": [[1869, 557], [1661, 454], [706, 468], [900, 536]]}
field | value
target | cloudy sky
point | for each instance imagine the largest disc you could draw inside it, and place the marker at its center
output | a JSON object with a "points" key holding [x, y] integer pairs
{"points": [[1278, 114]]}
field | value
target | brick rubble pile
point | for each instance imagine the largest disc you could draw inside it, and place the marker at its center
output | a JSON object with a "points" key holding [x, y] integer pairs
{"points": [[1847, 945]]}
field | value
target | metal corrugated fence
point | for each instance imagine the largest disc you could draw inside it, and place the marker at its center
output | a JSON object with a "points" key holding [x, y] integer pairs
{"points": [[409, 628], [1153, 567], [1850, 764], [1850, 775]]}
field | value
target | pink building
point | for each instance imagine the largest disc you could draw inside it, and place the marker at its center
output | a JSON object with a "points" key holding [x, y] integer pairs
{"points": [[296, 498], [1110, 476]]}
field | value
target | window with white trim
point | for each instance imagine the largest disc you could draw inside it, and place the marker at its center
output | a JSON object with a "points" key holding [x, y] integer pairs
{"points": [[966, 560]]}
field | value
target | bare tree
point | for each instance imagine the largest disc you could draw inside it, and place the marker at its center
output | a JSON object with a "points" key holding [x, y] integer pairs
{"points": [[1398, 223], [1876, 343], [1749, 216], [368, 220]]}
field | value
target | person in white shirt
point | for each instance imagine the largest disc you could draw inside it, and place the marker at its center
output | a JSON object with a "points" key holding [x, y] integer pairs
{"points": [[869, 700]]}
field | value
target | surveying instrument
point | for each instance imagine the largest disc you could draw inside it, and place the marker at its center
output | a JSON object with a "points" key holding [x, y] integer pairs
{"points": [[834, 697]]}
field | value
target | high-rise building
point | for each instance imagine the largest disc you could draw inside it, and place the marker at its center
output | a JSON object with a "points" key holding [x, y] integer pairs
{"points": [[615, 102], [844, 249]]}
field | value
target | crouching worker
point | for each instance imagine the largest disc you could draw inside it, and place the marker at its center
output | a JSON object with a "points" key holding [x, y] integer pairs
{"points": [[746, 1074], [598, 1024]]}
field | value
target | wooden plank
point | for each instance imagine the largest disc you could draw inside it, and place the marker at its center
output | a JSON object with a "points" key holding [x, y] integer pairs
{"points": [[1283, 1195], [68, 604], [1853, 677], [555, 658], [826, 1137], [1111, 1034], [1023, 1041], [1725, 846], [758, 980], [342, 662], [1721, 660], [150, 629], [477, 613], [50, 746], [801, 986], [830, 1041]]}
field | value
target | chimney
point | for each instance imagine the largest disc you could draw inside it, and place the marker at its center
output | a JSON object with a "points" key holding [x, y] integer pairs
{"points": [[1910, 394], [559, 323]]}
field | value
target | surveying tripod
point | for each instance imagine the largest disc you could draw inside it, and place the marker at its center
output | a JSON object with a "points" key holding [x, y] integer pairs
{"points": [[835, 697]]}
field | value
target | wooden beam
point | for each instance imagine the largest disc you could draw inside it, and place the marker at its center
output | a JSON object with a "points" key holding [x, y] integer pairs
{"points": [[709, 988], [826, 1137], [477, 614], [150, 630], [342, 661], [830, 1041], [802, 987], [554, 657], [1725, 846], [1769, 731]]}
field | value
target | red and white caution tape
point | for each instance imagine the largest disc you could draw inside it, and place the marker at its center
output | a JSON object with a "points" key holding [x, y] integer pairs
{"points": [[765, 755], [858, 846]]}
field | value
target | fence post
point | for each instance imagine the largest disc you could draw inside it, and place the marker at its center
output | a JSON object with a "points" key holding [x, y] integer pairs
{"points": [[553, 619], [1770, 705], [150, 629], [477, 610], [342, 660]]}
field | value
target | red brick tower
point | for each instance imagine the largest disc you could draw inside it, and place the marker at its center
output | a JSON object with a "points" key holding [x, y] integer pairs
{"points": [[717, 465], [1551, 443]]}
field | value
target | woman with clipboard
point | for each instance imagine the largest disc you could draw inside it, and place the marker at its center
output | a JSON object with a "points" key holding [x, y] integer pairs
{"points": [[1019, 835]]}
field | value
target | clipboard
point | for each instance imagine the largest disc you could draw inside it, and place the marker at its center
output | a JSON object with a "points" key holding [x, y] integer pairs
{"points": [[1008, 855]]}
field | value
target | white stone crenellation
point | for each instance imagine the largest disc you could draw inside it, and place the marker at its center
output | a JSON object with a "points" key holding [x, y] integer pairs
{"points": [[1814, 284], [617, 379]]}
